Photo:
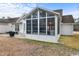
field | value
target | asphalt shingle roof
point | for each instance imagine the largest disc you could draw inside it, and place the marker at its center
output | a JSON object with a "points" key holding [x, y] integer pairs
{"points": [[9, 20], [67, 19]]}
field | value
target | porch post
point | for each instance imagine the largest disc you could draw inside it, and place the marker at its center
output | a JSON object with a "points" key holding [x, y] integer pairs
{"points": [[60, 24], [38, 22], [46, 23], [31, 25], [25, 26], [56, 26]]}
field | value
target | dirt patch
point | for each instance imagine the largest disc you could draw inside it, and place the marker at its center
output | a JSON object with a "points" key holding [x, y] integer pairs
{"points": [[24, 47]]}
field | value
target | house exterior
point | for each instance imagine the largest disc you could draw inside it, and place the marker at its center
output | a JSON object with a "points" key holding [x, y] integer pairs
{"points": [[76, 25], [67, 25], [7, 25], [45, 25]]}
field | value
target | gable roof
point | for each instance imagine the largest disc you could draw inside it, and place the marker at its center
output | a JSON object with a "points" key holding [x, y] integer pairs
{"points": [[37, 8], [59, 11], [67, 19], [9, 20]]}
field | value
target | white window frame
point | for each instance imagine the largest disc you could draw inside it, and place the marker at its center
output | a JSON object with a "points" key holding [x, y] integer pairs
{"points": [[38, 13]]}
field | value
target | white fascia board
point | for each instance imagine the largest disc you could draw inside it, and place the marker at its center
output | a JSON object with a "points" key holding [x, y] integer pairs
{"points": [[21, 17], [48, 10], [43, 9], [67, 23], [33, 10]]}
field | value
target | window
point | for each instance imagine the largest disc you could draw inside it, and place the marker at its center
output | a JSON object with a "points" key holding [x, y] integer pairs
{"points": [[29, 17], [42, 14], [42, 26], [32, 23], [16, 27], [35, 26], [35, 14], [51, 26], [28, 23], [50, 14]]}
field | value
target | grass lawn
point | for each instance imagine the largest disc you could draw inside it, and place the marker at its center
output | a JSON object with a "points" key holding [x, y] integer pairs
{"points": [[71, 41], [25, 47]]}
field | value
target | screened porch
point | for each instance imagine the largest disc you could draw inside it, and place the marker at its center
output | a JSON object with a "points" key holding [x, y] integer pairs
{"points": [[42, 22]]}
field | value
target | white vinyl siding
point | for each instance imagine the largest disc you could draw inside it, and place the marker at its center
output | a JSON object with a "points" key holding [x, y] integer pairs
{"points": [[67, 29], [6, 27]]}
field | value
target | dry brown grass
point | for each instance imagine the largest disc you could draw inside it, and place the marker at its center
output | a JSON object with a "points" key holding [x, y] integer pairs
{"points": [[12, 46], [25, 47], [72, 41]]}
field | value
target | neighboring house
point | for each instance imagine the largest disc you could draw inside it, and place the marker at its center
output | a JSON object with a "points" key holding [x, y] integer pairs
{"points": [[7, 25], [67, 25], [45, 25], [76, 25], [77, 20]]}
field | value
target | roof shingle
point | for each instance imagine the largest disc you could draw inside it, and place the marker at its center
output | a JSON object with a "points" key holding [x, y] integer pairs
{"points": [[9, 20], [67, 19], [59, 11]]}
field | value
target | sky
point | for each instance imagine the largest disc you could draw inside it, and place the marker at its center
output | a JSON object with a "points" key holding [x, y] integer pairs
{"points": [[17, 9]]}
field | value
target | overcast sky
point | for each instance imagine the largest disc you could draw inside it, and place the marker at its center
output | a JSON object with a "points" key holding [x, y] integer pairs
{"points": [[17, 9]]}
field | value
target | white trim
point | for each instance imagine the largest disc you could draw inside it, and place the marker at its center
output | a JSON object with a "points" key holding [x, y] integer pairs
{"points": [[38, 22], [32, 18], [21, 17], [46, 38], [47, 17], [33, 10], [31, 25], [68, 23], [56, 26], [46, 23], [26, 26], [42, 17], [47, 10], [60, 23]]}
